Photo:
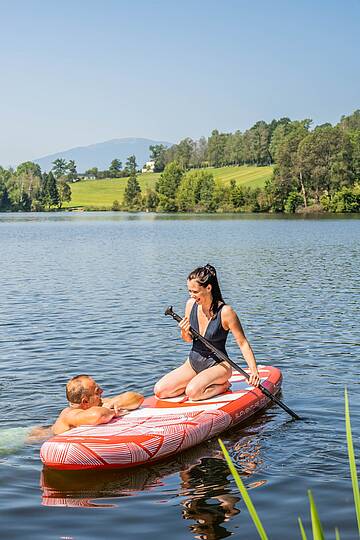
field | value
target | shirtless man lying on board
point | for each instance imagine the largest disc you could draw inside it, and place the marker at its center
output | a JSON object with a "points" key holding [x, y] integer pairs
{"points": [[86, 407]]}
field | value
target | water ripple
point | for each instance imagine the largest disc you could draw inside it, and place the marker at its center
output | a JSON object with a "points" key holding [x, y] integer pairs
{"points": [[87, 293]]}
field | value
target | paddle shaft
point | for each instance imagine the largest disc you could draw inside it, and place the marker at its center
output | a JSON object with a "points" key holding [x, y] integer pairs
{"points": [[220, 356]]}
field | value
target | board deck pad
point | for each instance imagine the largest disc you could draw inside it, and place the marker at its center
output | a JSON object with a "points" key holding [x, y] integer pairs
{"points": [[159, 428]]}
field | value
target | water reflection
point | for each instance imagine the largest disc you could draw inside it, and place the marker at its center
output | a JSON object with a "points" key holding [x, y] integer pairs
{"points": [[207, 492], [207, 496], [107, 216], [78, 488]]}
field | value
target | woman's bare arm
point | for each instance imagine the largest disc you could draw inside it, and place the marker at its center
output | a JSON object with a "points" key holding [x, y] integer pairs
{"points": [[231, 322]]}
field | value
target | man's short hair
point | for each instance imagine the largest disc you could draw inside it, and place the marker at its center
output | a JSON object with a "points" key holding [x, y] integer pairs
{"points": [[75, 389]]}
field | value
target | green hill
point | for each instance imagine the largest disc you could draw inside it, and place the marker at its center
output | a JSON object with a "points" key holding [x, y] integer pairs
{"points": [[102, 193]]}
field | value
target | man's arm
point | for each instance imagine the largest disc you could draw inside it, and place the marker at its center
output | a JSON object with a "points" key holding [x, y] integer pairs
{"points": [[69, 419], [127, 400], [92, 416]]}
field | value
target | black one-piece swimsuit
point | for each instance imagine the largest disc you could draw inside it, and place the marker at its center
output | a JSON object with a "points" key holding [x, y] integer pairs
{"points": [[200, 356]]}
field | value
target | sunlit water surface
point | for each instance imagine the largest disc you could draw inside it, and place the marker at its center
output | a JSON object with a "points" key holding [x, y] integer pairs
{"points": [[87, 292]]}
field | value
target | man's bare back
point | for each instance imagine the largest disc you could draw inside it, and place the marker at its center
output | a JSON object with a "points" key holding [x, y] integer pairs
{"points": [[74, 416], [86, 407]]}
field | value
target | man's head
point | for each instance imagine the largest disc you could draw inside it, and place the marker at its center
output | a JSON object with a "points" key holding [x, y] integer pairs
{"points": [[83, 391]]}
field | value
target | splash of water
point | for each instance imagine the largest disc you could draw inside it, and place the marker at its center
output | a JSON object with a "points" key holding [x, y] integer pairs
{"points": [[13, 439]]}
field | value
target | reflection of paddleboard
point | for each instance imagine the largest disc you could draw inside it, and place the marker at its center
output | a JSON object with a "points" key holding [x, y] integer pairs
{"points": [[158, 429], [84, 488]]}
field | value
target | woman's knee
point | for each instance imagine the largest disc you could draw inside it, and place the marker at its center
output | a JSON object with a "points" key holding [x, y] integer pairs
{"points": [[160, 389], [166, 388], [194, 391]]}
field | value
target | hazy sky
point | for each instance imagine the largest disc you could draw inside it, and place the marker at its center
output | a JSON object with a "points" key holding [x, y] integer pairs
{"points": [[79, 72]]}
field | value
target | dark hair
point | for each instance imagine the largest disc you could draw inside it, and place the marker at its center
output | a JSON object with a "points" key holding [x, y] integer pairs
{"points": [[75, 389], [206, 275]]}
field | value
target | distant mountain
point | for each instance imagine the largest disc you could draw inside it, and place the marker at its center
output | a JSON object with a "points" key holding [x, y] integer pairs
{"points": [[100, 155]]}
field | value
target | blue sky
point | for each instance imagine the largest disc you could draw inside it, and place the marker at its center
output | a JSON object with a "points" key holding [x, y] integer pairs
{"points": [[79, 72]]}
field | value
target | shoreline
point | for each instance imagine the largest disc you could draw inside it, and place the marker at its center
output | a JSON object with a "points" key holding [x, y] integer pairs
{"points": [[187, 215]]}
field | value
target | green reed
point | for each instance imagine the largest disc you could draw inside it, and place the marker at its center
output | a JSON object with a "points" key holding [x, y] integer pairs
{"points": [[354, 477], [317, 530], [244, 493]]}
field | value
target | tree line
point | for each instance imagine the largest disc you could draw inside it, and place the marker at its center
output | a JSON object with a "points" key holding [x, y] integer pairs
{"points": [[314, 170], [257, 146], [115, 170], [27, 188]]}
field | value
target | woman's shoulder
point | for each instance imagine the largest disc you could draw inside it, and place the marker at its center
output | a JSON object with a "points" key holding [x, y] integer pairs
{"points": [[227, 310], [228, 316], [225, 307]]}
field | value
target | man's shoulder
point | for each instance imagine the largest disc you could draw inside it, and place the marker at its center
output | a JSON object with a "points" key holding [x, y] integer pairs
{"points": [[63, 421], [68, 413], [65, 411]]}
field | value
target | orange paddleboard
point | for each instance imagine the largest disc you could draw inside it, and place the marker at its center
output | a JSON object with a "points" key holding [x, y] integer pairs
{"points": [[159, 428]]}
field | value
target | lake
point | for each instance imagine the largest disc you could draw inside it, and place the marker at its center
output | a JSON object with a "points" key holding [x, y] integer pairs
{"points": [[86, 293]]}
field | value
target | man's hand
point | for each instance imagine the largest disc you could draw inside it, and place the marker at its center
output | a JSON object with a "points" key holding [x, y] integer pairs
{"points": [[125, 402], [119, 411]]}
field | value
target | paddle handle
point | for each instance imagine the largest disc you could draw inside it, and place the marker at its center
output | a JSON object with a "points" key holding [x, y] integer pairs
{"points": [[223, 357]]}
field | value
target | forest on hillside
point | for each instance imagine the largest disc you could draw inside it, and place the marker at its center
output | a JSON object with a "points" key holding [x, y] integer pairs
{"points": [[314, 169]]}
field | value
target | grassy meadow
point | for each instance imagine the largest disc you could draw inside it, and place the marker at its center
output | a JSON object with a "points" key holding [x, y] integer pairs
{"points": [[102, 193], [245, 175]]}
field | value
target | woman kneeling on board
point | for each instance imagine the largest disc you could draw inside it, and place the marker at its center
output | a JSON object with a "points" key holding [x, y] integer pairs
{"points": [[201, 376]]}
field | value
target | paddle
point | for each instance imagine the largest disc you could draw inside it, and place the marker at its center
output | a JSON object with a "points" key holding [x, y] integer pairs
{"points": [[222, 357]]}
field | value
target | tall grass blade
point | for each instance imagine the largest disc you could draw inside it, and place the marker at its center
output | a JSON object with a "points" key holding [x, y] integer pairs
{"points": [[354, 478], [302, 530], [244, 493], [337, 534], [317, 531]]}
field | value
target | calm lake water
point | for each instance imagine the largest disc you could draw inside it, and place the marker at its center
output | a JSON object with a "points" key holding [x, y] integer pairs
{"points": [[87, 292]]}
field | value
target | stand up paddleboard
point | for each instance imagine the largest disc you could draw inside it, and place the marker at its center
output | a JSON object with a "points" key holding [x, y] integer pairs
{"points": [[160, 428]]}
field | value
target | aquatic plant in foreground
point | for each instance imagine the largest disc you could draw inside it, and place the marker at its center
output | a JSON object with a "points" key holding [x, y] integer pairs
{"points": [[317, 530]]}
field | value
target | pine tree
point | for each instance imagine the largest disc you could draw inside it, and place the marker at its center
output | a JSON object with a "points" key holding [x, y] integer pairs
{"points": [[49, 190], [132, 195], [44, 194], [53, 190]]}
